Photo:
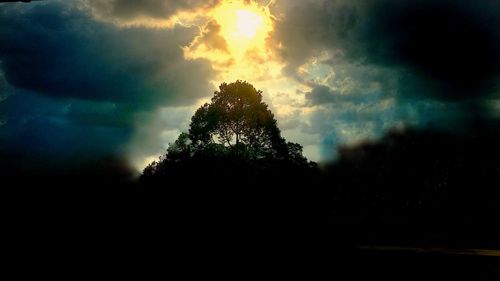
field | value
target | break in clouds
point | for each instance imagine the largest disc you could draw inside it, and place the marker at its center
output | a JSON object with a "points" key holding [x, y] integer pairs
{"points": [[82, 81]]}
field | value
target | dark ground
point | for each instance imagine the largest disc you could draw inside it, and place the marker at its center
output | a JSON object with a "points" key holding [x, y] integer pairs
{"points": [[200, 232], [413, 206]]}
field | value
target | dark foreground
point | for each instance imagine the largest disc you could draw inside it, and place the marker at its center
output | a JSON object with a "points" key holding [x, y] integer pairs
{"points": [[417, 265], [212, 231]]}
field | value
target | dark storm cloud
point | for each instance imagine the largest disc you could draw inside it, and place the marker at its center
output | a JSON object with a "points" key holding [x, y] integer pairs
{"points": [[71, 87], [454, 44], [61, 52], [450, 49], [355, 94], [38, 134], [438, 59], [323, 94], [126, 9], [3, 85], [308, 27]]}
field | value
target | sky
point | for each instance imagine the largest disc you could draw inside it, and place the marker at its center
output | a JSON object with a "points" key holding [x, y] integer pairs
{"points": [[88, 84]]}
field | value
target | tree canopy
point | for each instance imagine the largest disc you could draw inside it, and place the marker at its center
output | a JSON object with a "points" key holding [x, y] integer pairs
{"points": [[236, 125]]}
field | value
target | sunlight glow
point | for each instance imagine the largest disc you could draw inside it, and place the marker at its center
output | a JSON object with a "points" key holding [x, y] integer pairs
{"points": [[244, 27], [248, 23]]}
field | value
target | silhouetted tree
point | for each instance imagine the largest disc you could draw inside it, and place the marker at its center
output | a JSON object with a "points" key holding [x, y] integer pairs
{"points": [[235, 126], [237, 118]]}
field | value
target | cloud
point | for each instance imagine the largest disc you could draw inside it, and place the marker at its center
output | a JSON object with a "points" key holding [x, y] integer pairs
{"points": [[125, 10], [73, 88], [437, 63], [3, 86], [94, 77], [323, 94], [451, 47], [38, 134], [61, 52], [211, 38], [453, 44], [302, 35], [155, 130]]}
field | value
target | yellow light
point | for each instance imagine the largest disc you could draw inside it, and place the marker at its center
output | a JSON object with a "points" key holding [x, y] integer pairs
{"points": [[245, 27], [247, 23]]}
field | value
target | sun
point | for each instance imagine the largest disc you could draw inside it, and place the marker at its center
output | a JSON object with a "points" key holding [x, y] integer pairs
{"points": [[247, 24], [236, 41], [244, 25]]}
